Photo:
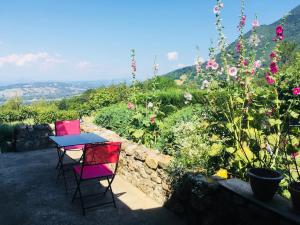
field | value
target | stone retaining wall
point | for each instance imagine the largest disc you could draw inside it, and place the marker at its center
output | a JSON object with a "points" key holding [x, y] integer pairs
{"points": [[142, 167], [30, 137]]}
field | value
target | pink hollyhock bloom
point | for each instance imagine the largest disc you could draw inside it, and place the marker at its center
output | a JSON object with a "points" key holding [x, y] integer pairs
{"points": [[210, 63], [279, 32], [215, 66], [257, 64], [238, 47], [255, 23], [274, 68], [296, 91], [133, 65], [243, 21], [269, 79], [130, 105], [232, 71], [273, 55], [216, 9]]}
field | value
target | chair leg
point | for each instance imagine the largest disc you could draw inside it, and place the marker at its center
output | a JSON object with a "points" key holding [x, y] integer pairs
{"points": [[81, 201], [111, 191], [76, 191]]}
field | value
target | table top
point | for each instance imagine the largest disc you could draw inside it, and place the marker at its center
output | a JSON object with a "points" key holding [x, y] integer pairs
{"points": [[79, 139]]}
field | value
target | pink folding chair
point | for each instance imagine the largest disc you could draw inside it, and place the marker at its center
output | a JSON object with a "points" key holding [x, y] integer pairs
{"points": [[66, 127], [100, 161]]}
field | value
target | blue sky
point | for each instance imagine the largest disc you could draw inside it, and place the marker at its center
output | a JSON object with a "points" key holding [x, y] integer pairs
{"points": [[91, 40]]}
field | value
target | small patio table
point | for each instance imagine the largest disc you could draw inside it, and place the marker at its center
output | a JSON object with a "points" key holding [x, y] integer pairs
{"points": [[73, 140]]}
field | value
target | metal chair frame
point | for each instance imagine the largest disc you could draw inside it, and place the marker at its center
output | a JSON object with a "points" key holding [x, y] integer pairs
{"points": [[79, 180]]}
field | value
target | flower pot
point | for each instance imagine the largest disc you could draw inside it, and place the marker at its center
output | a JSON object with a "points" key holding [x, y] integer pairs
{"points": [[264, 183], [294, 189]]}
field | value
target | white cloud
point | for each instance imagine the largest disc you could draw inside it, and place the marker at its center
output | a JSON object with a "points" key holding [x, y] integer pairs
{"points": [[180, 65], [172, 56], [44, 59]]}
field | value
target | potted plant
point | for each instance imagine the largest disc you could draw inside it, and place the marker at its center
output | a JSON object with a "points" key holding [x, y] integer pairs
{"points": [[293, 148]]}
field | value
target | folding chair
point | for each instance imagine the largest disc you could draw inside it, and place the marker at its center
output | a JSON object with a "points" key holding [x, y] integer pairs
{"points": [[100, 162], [66, 127]]}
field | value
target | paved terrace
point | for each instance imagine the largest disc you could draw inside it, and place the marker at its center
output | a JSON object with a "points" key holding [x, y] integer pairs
{"points": [[29, 194]]}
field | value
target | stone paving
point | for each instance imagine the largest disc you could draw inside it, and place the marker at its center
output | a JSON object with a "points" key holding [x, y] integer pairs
{"points": [[29, 195]]}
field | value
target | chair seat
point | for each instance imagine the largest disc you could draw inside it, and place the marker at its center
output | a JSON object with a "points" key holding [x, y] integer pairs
{"points": [[74, 148], [93, 171]]}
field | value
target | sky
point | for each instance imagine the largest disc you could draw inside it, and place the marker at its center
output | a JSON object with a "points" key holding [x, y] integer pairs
{"points": [[70, 40]]}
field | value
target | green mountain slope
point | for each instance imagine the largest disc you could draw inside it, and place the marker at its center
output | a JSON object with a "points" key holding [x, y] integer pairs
{"points": [[265, 34]]}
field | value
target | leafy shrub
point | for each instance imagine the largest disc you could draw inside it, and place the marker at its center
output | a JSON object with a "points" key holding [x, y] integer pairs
{"points": [[186, 114], [191, 147], [6, 135], [116, 117]]}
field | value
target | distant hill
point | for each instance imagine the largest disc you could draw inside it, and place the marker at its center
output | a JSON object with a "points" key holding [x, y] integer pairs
{"points": [[30, 92], [265, 34]]}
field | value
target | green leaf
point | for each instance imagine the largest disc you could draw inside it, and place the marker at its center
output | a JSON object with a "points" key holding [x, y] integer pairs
{"points": [[294, 114], [215, 149], [274, 122], [230, 150], [138, 133]]}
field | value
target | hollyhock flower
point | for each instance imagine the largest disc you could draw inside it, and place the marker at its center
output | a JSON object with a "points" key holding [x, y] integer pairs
{"points": [[130, 105], [257, 64], [269, 79], [255, 23], [198, 63], [216, 9], [210, 63], [273, 55], [246, 62], [274, 68], [242, 21], [296, 91], [279, 32], [152, 119], [238, 47], [222, 5], [215, 66], [150, 105], [232, 71]]}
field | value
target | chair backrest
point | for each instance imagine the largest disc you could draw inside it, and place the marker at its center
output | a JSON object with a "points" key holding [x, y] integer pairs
{"points": [[67, 127], [105, 153]]}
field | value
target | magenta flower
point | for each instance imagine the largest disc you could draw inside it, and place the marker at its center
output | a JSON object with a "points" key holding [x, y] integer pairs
{"points": [[130, 106], [269, 79], [279, 32], [274, 68], [273, 55], [246, 62], [242, 21], [255, 23], [238, 47], [296, 91], [232, 71]]}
